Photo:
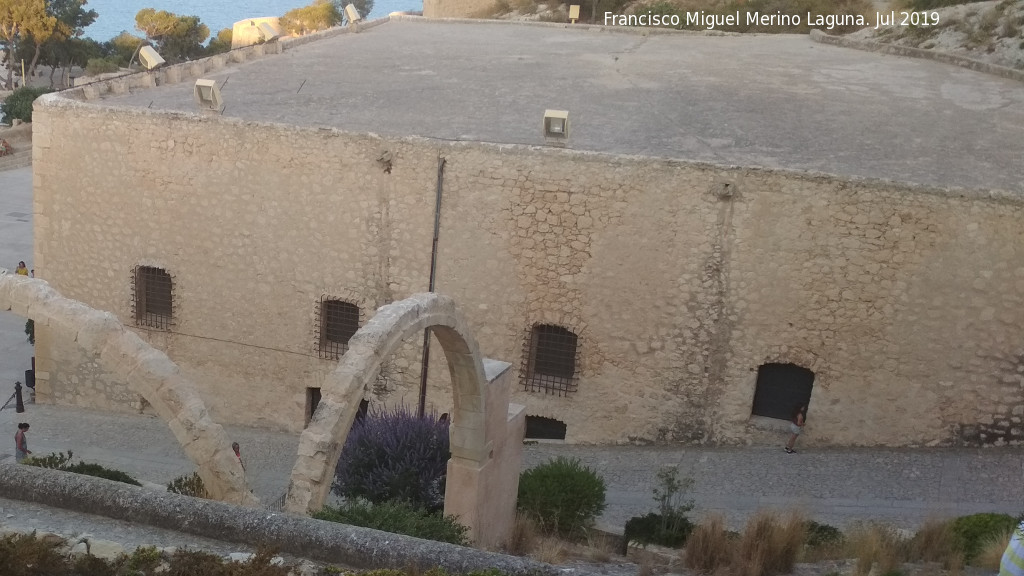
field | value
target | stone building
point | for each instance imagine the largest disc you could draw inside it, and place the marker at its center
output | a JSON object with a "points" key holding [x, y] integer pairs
{"points": [[704, 252]]}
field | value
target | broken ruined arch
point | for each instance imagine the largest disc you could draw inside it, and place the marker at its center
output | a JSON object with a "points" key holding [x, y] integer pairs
{"points": [[321, 443], [152, 374], [147, 371]]}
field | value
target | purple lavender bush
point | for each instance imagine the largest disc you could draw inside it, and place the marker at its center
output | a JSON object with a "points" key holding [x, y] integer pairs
{"points": [[392, 454]]}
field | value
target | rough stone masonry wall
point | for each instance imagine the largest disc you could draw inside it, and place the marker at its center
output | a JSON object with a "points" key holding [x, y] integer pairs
{"points": [[680, 279]]}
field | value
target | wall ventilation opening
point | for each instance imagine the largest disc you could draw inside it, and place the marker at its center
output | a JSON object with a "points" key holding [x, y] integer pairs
{"points": [[540, 428], [312, 401], [780, 389]]}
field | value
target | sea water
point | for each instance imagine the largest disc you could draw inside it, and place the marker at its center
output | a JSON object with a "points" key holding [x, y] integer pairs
{"points": [[118, 15]]}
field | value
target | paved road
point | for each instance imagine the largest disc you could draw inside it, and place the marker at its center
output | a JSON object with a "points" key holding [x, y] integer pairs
{"points": [[15, 245], [837, 486]]}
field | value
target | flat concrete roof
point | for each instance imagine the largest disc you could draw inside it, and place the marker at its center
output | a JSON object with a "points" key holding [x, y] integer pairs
{"points": [[779, 101]]}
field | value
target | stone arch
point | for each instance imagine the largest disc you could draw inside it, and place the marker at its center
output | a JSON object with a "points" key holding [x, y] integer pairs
{"points": [[321, 443], [145, 369]]}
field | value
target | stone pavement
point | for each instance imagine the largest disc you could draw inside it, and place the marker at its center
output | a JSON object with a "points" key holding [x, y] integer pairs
{"points": [[837, 486], [15, 245]]}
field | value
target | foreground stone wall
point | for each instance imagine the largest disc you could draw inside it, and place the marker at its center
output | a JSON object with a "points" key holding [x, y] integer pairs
{"points": [[300, 536], [680, 279]]}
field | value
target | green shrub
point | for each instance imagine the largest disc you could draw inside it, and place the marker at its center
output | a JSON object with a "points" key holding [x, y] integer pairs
{"points": [[60, 461], [30, 331], [399, 518], [54, 460], [971, 531], [669, 526], [563, 496], [819, 535], [24, 555], [189, 486], [97, 66], [19, 104], [98, 471]]}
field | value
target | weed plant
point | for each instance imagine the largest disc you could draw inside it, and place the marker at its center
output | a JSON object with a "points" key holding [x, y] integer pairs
{"points": [[191, 485], [669, 526]]}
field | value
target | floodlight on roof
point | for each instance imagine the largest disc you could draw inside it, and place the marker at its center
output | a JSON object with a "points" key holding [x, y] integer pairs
{"points": [[267, 32], [149, 57], [574, 13], [556, 126], [352, 14], [208, 96]]}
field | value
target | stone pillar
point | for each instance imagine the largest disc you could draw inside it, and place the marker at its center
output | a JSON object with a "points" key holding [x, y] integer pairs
{"points": [[483, 495]]}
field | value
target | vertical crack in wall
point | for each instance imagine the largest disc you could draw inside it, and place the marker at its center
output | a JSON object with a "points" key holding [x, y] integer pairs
{"points": [[716, 283]]}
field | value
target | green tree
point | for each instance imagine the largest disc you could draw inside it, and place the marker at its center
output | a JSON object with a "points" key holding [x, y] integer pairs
{"points": [[55, 50], [320, 15], [122, 47], [21, 20], [220, 43], [176, 38]]}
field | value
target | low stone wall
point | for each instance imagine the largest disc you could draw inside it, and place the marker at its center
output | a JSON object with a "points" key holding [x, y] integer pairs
{"points": [[176, 73], [896, 50], [296, 535]]}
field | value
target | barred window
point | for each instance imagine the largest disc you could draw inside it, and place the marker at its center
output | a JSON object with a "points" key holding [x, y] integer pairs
{"points": [[551, 360], [339, 321], [153, 297]]}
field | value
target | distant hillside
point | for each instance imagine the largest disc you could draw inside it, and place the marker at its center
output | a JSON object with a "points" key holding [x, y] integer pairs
{"points": [[992, 32]]}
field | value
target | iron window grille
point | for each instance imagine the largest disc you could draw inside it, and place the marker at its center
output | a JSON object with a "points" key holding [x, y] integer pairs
{"points": [[550, 365], [153, 298], [338, 322]]}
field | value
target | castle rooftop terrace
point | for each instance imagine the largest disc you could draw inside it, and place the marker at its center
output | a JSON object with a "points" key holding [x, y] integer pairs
{"points": [[778, 101]]}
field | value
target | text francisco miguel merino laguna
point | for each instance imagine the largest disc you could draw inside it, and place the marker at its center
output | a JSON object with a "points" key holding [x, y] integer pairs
{"points": [[712, 21]]}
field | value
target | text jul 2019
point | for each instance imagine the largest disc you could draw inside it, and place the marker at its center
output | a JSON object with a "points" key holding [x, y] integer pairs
{"points": [[711, 21]]}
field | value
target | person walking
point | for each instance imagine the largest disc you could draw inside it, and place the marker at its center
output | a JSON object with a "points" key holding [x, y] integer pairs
{"points": [[796, 426], [21, 269], [21, 450]]}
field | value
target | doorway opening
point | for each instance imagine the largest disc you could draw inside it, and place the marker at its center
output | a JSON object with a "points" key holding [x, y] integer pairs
{"points": [[780, 389]]}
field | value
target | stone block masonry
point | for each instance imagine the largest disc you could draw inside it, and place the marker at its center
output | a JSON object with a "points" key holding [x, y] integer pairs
{"points": [[679, 279]]}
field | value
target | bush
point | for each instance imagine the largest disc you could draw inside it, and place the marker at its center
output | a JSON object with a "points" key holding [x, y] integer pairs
{"points": [[19, 104], [970, 532], [399, 518], [709, 547], [30, 331], [770, 546], [97, 66], [395, 455], [29, 556], [562, 495], [669, 526], [934, 542], [189, 486], [875, 544], [58, 461], [820, 535]]}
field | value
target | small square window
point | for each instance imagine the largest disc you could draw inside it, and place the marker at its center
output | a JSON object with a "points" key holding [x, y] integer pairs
{"points": [[153, 298], [551, 360], [339, 321]]}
